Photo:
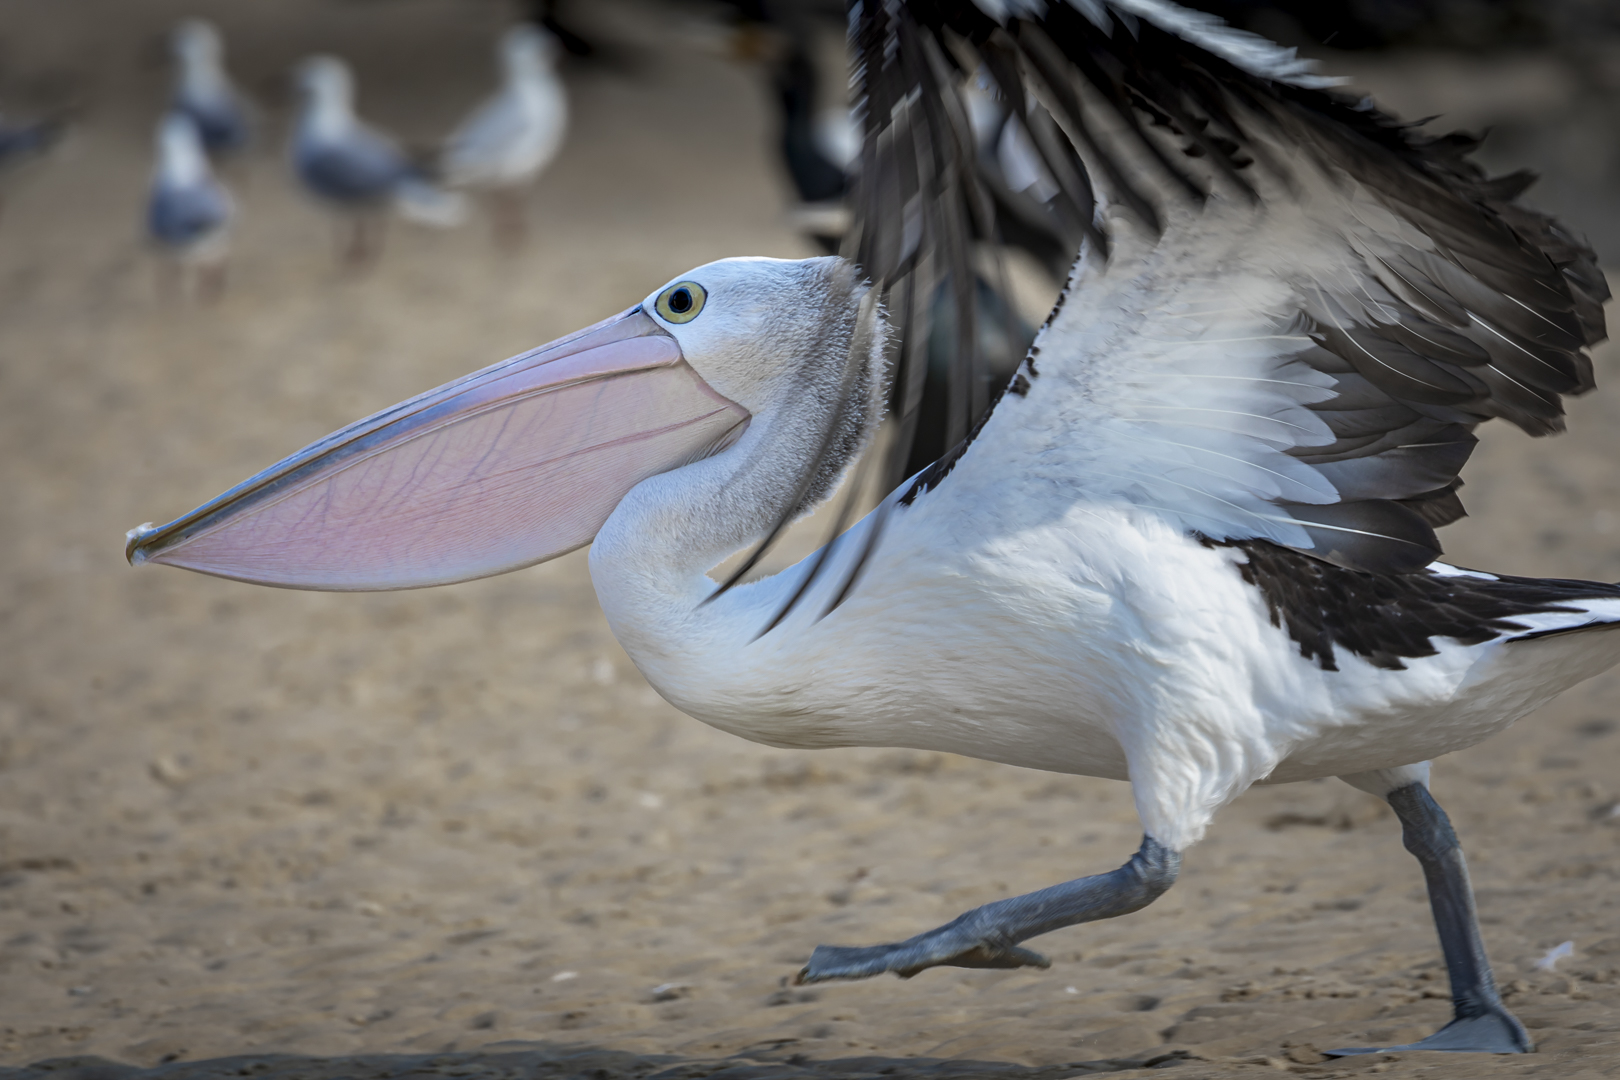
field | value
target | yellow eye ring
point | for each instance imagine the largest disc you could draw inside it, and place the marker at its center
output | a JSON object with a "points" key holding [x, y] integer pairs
{"points": [[681, 302]]}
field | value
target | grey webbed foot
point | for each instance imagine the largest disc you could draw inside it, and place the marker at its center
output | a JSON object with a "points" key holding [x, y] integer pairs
{"points": [[1495, 1031], [964, 942], [988, 936]]}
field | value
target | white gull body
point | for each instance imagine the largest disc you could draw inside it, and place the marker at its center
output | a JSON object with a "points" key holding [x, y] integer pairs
{"points": [[514, 135]]}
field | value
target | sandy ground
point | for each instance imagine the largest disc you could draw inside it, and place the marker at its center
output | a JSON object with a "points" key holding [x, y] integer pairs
{"points": [[452, 832]]}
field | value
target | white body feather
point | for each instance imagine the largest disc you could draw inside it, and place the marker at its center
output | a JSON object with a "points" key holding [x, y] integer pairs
{"points": [[1095, 640], [1045, 604]]}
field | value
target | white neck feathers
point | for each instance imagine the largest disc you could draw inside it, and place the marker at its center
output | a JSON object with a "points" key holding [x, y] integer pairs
{"points": [[827, 388]]}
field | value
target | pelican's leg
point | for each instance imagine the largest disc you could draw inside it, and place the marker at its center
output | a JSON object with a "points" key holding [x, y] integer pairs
{"points": [[988, 936], [1480, 1022]]}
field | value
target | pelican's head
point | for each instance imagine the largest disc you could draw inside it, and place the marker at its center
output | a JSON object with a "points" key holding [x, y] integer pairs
{"points": [[525, 460], [741, 323], [526, 50]]}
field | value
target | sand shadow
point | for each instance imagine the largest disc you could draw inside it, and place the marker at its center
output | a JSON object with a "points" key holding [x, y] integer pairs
{"points": [[556, 1061]]}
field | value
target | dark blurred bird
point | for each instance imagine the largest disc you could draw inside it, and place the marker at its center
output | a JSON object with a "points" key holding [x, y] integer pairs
{"points": [[818, 143], [23, 141], [816, 163], [355, 169], [544, 14]]}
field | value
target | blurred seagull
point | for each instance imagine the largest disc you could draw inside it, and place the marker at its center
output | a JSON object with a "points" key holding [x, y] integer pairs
{"points": [[202, 89], [355, 168], [512, 136], [25, 140], [22, 140], [189, 212]]}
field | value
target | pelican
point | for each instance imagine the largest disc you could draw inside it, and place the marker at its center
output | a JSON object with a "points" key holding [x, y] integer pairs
{"points": [[510, 139], [1191, 547], [203, 90], [355, 169], [188, 211]]}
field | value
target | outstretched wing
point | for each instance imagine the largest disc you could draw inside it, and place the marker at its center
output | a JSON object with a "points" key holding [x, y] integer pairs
{"points": [[1290, 311]]}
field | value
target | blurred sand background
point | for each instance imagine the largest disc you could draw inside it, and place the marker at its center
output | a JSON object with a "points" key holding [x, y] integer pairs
{"points": [[452, 832]]}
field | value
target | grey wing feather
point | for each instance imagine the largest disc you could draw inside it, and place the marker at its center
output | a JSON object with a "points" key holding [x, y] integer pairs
{"points": [[222, 121], [180, 216], [20, 141], [360, 168]]}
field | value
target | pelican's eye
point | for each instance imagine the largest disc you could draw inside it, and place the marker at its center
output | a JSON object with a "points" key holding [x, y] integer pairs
{"points": [[681, 302]]}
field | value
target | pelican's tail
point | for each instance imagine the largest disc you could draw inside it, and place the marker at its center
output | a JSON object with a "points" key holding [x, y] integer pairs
{"points": [[422, 202]]}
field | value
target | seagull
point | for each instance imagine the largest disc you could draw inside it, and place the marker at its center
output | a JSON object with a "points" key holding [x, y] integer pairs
{"points": [[356, 169], [1191, 547], [202, 89], [814, 143], [512, 137], [188, 211], [24, 140]]}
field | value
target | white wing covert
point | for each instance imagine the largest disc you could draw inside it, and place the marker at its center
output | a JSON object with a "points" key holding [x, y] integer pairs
{"points": [[1290, 311]]}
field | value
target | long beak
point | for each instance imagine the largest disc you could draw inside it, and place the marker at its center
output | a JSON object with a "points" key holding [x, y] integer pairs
{"points": [[504, 468]]}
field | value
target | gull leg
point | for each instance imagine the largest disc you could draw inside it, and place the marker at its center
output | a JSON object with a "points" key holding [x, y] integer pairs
{"points": [[1480, 1022], [363, 242], [508, 218], [351, 239], [988, 936], [168, 280], [212, 277]]}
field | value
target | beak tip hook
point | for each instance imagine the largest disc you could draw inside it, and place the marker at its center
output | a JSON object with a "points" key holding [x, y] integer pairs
{"points": [[132, 543]]}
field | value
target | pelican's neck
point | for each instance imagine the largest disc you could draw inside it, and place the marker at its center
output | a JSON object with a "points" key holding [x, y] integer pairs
{"points": [[651, 559], [671, 529], [806, 359]]}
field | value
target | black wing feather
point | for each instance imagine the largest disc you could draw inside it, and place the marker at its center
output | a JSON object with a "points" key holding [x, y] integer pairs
{"points": [[1474, 307], [1489, 320]]}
